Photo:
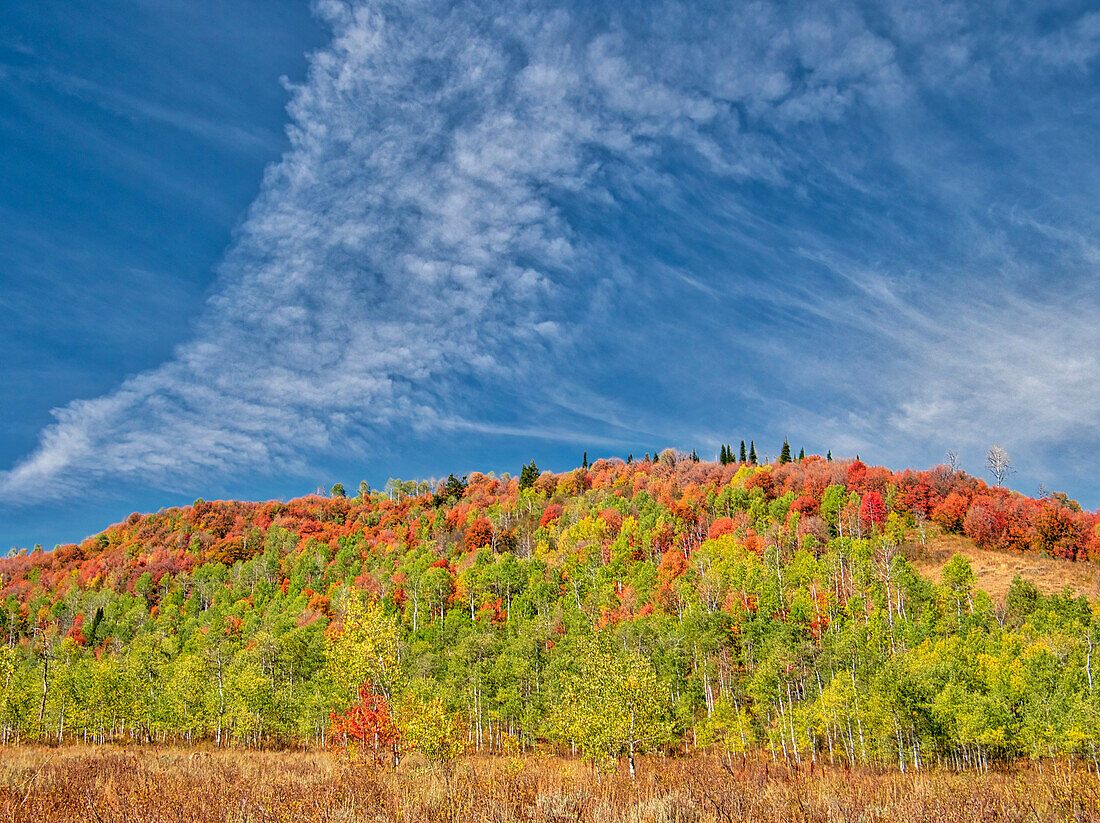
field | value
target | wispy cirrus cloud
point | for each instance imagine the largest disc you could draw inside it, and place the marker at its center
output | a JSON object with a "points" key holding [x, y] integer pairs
{"points": [[635, 223]]}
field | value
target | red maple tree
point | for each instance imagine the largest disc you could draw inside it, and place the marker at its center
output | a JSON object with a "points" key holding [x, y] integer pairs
{"points": [[368, 724]]}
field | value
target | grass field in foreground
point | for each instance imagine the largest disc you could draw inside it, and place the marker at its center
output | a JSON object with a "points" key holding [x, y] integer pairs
{"points": [[38, 785]]}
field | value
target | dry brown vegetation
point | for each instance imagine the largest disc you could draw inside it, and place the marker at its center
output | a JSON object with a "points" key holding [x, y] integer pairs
{"points": [[994, 570], [101, 785]]}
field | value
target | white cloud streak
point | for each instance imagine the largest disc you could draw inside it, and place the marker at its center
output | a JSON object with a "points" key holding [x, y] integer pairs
{"points": [[434, 234]]}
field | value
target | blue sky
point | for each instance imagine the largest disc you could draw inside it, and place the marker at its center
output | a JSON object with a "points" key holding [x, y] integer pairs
{"points": [[251, 249]]}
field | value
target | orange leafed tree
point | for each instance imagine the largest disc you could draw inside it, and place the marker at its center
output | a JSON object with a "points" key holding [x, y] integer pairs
{"points": [[479, 535]]}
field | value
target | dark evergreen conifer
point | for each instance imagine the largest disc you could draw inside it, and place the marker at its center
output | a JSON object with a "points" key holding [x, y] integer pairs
{"points": [[752, 452], [785, 453], [528, 475], [743, 456], [452, 487]]}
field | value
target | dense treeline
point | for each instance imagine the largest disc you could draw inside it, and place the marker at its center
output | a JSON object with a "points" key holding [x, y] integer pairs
{"points": [[665, 603]]}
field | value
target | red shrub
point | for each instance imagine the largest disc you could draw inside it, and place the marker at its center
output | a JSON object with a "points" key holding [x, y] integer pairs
{"points": [[950, 513], [721, 526], [552, 513], [479, 535], [613, 519], [872, 511]]}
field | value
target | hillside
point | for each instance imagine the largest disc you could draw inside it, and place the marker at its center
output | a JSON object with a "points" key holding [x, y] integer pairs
{"points": [[813, 608], [994, 570]]}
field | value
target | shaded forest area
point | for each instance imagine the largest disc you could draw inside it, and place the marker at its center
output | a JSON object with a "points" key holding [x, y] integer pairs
{"points": [[769, 614]]}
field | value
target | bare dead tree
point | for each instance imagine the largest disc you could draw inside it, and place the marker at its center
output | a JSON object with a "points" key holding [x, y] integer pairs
{"points": [[999, 464], [919, 518], [952, 459]]}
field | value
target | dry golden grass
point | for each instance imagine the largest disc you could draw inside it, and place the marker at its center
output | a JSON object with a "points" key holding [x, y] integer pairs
{"points": [[994, 571], [131, 784]]}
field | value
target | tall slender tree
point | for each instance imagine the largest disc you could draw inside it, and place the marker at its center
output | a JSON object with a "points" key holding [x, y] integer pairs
{"points": [[999, 464]]}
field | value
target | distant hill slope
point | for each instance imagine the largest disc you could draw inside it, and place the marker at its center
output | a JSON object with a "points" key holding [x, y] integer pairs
{"points": [[813, 606]]}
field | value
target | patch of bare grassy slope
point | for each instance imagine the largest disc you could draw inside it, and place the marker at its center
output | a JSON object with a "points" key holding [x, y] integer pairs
{"points": [[143, 784], [994, 570]]}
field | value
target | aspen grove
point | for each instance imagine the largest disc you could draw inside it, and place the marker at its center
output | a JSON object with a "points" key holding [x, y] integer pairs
{"points": [[666, 604]]}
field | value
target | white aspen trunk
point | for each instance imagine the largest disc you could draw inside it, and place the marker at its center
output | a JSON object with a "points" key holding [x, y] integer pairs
{"points": [[707, 693], [901, 746], [783, 734], [771, 740], [632, 772], [790, 720], [859, 722], [1088, 661], [890, 611]]}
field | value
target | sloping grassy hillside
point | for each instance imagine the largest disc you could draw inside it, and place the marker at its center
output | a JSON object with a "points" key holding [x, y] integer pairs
{"points": [[994, 571]]}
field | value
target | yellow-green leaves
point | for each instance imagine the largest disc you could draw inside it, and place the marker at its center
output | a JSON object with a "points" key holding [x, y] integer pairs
{"points": [[428, 727], [612, 704], [364, 650]]}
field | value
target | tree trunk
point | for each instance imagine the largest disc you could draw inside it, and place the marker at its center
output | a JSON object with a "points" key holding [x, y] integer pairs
{"points": [[45, 688], [632, 772]]}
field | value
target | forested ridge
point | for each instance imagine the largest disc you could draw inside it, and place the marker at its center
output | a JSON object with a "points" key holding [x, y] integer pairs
{"points": [[665, 603]]}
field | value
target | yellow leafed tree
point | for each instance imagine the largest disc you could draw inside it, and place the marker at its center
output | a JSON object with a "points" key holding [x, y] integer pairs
{"points": [[364, 650], [611, 705]]}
